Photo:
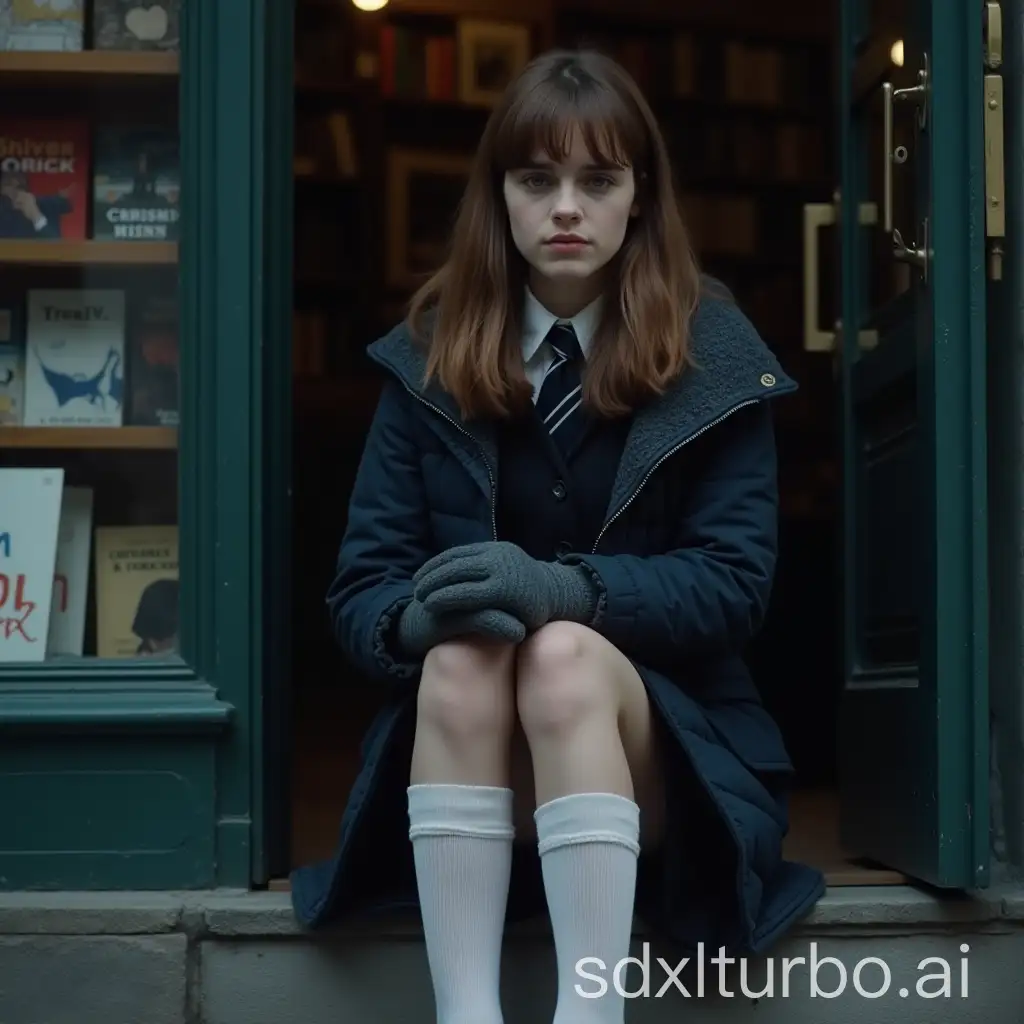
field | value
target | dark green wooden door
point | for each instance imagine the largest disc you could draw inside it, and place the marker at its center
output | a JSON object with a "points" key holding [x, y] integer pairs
{"points": [[914, 720]]}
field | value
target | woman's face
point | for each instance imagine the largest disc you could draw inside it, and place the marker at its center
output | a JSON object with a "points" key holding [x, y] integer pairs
{"points": [[568, 219]]}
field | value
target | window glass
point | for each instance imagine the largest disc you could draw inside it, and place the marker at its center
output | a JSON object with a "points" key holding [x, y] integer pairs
{"points": [[89, 311]]}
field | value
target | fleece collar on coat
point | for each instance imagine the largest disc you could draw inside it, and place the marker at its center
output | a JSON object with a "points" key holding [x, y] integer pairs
{"points": [[733, 367]]}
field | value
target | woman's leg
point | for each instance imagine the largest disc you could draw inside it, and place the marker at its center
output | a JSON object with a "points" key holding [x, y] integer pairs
{"points": [[590, 730], [460, 822]]}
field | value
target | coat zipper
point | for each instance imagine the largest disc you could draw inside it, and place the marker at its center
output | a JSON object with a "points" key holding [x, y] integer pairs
{"points": [[622, 508], [458, 426], [685, 441]]}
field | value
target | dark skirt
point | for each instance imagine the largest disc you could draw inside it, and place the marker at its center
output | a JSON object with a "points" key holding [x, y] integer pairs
{"points": [[717, 878]]}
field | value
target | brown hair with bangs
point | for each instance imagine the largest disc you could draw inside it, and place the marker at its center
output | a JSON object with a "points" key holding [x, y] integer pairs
{"points": [[475, 300]]}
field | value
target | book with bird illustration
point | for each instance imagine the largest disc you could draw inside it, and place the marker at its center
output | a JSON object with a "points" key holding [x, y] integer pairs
{"points": [[74, 358]]}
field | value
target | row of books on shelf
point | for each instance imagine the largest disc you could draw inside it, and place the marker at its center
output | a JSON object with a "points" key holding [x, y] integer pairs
{"points": [[758, 153], [689, 66], [430, 63], [67, 179], [70, 25], [48, 545], [89, 358], [417, 64]]}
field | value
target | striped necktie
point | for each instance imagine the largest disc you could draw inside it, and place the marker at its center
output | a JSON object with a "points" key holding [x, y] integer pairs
{"points": [[558, 402]]}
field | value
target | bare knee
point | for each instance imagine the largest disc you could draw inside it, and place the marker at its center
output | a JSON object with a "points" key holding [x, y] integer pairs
{"points": [[560, 681], [465, 690]]}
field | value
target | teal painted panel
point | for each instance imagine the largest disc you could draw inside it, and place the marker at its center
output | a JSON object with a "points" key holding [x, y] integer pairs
{"points": [[225, 265], [107, 813], [914, 721]]}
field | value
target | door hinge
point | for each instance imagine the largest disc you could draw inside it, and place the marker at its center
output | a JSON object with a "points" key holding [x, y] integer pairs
{"points": [[995, 160]]}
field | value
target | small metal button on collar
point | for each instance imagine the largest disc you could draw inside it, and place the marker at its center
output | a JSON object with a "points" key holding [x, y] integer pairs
{"points": [[768, 379]]}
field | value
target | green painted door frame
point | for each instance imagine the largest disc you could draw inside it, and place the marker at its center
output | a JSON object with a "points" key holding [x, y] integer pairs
{"points": [[914, 755], [128, 774]]}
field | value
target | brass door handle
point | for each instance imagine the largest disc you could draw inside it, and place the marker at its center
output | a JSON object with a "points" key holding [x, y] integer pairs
{"points": [[917, 94], [817, 216], [904, 253]]}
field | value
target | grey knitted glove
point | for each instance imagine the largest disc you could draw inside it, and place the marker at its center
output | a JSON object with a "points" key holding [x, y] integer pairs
{"points": [[419, 629], [497, 574]]}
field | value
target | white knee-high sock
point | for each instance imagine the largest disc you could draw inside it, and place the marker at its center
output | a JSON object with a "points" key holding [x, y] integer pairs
{"points": [[462, 850], [589, 844]]}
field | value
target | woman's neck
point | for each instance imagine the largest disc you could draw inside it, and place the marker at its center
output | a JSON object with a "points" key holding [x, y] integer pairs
{"points": [[565, 297]]}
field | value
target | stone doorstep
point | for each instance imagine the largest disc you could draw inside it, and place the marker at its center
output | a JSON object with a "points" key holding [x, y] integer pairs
{"points": [[239, 914]]}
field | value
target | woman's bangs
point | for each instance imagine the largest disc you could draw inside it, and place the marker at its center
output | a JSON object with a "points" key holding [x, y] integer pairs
{"points": [[546, 119]]}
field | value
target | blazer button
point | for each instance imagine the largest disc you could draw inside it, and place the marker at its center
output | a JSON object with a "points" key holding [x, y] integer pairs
{"points": [[559, 491]]}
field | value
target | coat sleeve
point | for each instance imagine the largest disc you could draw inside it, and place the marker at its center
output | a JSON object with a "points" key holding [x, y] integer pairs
{"points": [[386, 540], [709, 593]]}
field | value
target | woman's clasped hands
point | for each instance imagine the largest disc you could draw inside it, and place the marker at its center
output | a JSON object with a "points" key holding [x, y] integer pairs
{"points": [[492, 589]]}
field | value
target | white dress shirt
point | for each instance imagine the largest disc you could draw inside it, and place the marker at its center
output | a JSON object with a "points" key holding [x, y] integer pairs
{"points": [[537, 321]]}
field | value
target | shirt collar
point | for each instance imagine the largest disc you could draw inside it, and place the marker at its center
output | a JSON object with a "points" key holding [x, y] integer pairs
{"points": [[537, 321]]}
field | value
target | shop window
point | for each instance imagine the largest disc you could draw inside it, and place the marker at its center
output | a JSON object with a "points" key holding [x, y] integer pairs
{"points": [[89, 333]]}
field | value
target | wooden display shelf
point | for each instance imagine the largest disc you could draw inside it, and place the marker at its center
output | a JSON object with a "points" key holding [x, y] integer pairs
{"points": [[92, 252], [89, 437], [92, 63]]}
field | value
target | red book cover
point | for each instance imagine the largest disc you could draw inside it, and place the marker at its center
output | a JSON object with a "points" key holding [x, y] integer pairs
{"points": [[44, 179], [449, 85], [386, 71]]}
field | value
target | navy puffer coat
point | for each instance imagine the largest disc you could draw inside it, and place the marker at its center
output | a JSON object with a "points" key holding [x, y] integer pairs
{"points": [[686, 558]]}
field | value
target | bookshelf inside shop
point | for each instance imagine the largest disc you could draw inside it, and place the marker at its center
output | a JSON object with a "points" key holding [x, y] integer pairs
{"points": [[89, 366], [389, 107]]}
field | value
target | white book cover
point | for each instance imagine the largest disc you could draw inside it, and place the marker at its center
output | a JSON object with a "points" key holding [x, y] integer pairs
{"points": [[12, 369], [30, 503], [74, 358], [71, 574]]}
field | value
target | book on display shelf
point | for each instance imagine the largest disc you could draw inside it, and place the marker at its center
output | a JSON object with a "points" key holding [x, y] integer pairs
{"points": [[74, 358], [136, 25], [42, 25], [44, 178]]}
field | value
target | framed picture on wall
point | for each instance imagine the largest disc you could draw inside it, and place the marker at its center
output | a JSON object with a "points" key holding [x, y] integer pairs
{"points": [[424, 188], [491, 54]]}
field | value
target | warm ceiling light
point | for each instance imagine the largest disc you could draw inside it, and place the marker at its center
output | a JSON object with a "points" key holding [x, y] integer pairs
{"points": [[370, 5], [895, 53]]}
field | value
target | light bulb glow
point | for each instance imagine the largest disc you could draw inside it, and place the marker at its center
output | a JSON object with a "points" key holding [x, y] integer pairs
{"points": [[896, 53], [369, 5]]}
